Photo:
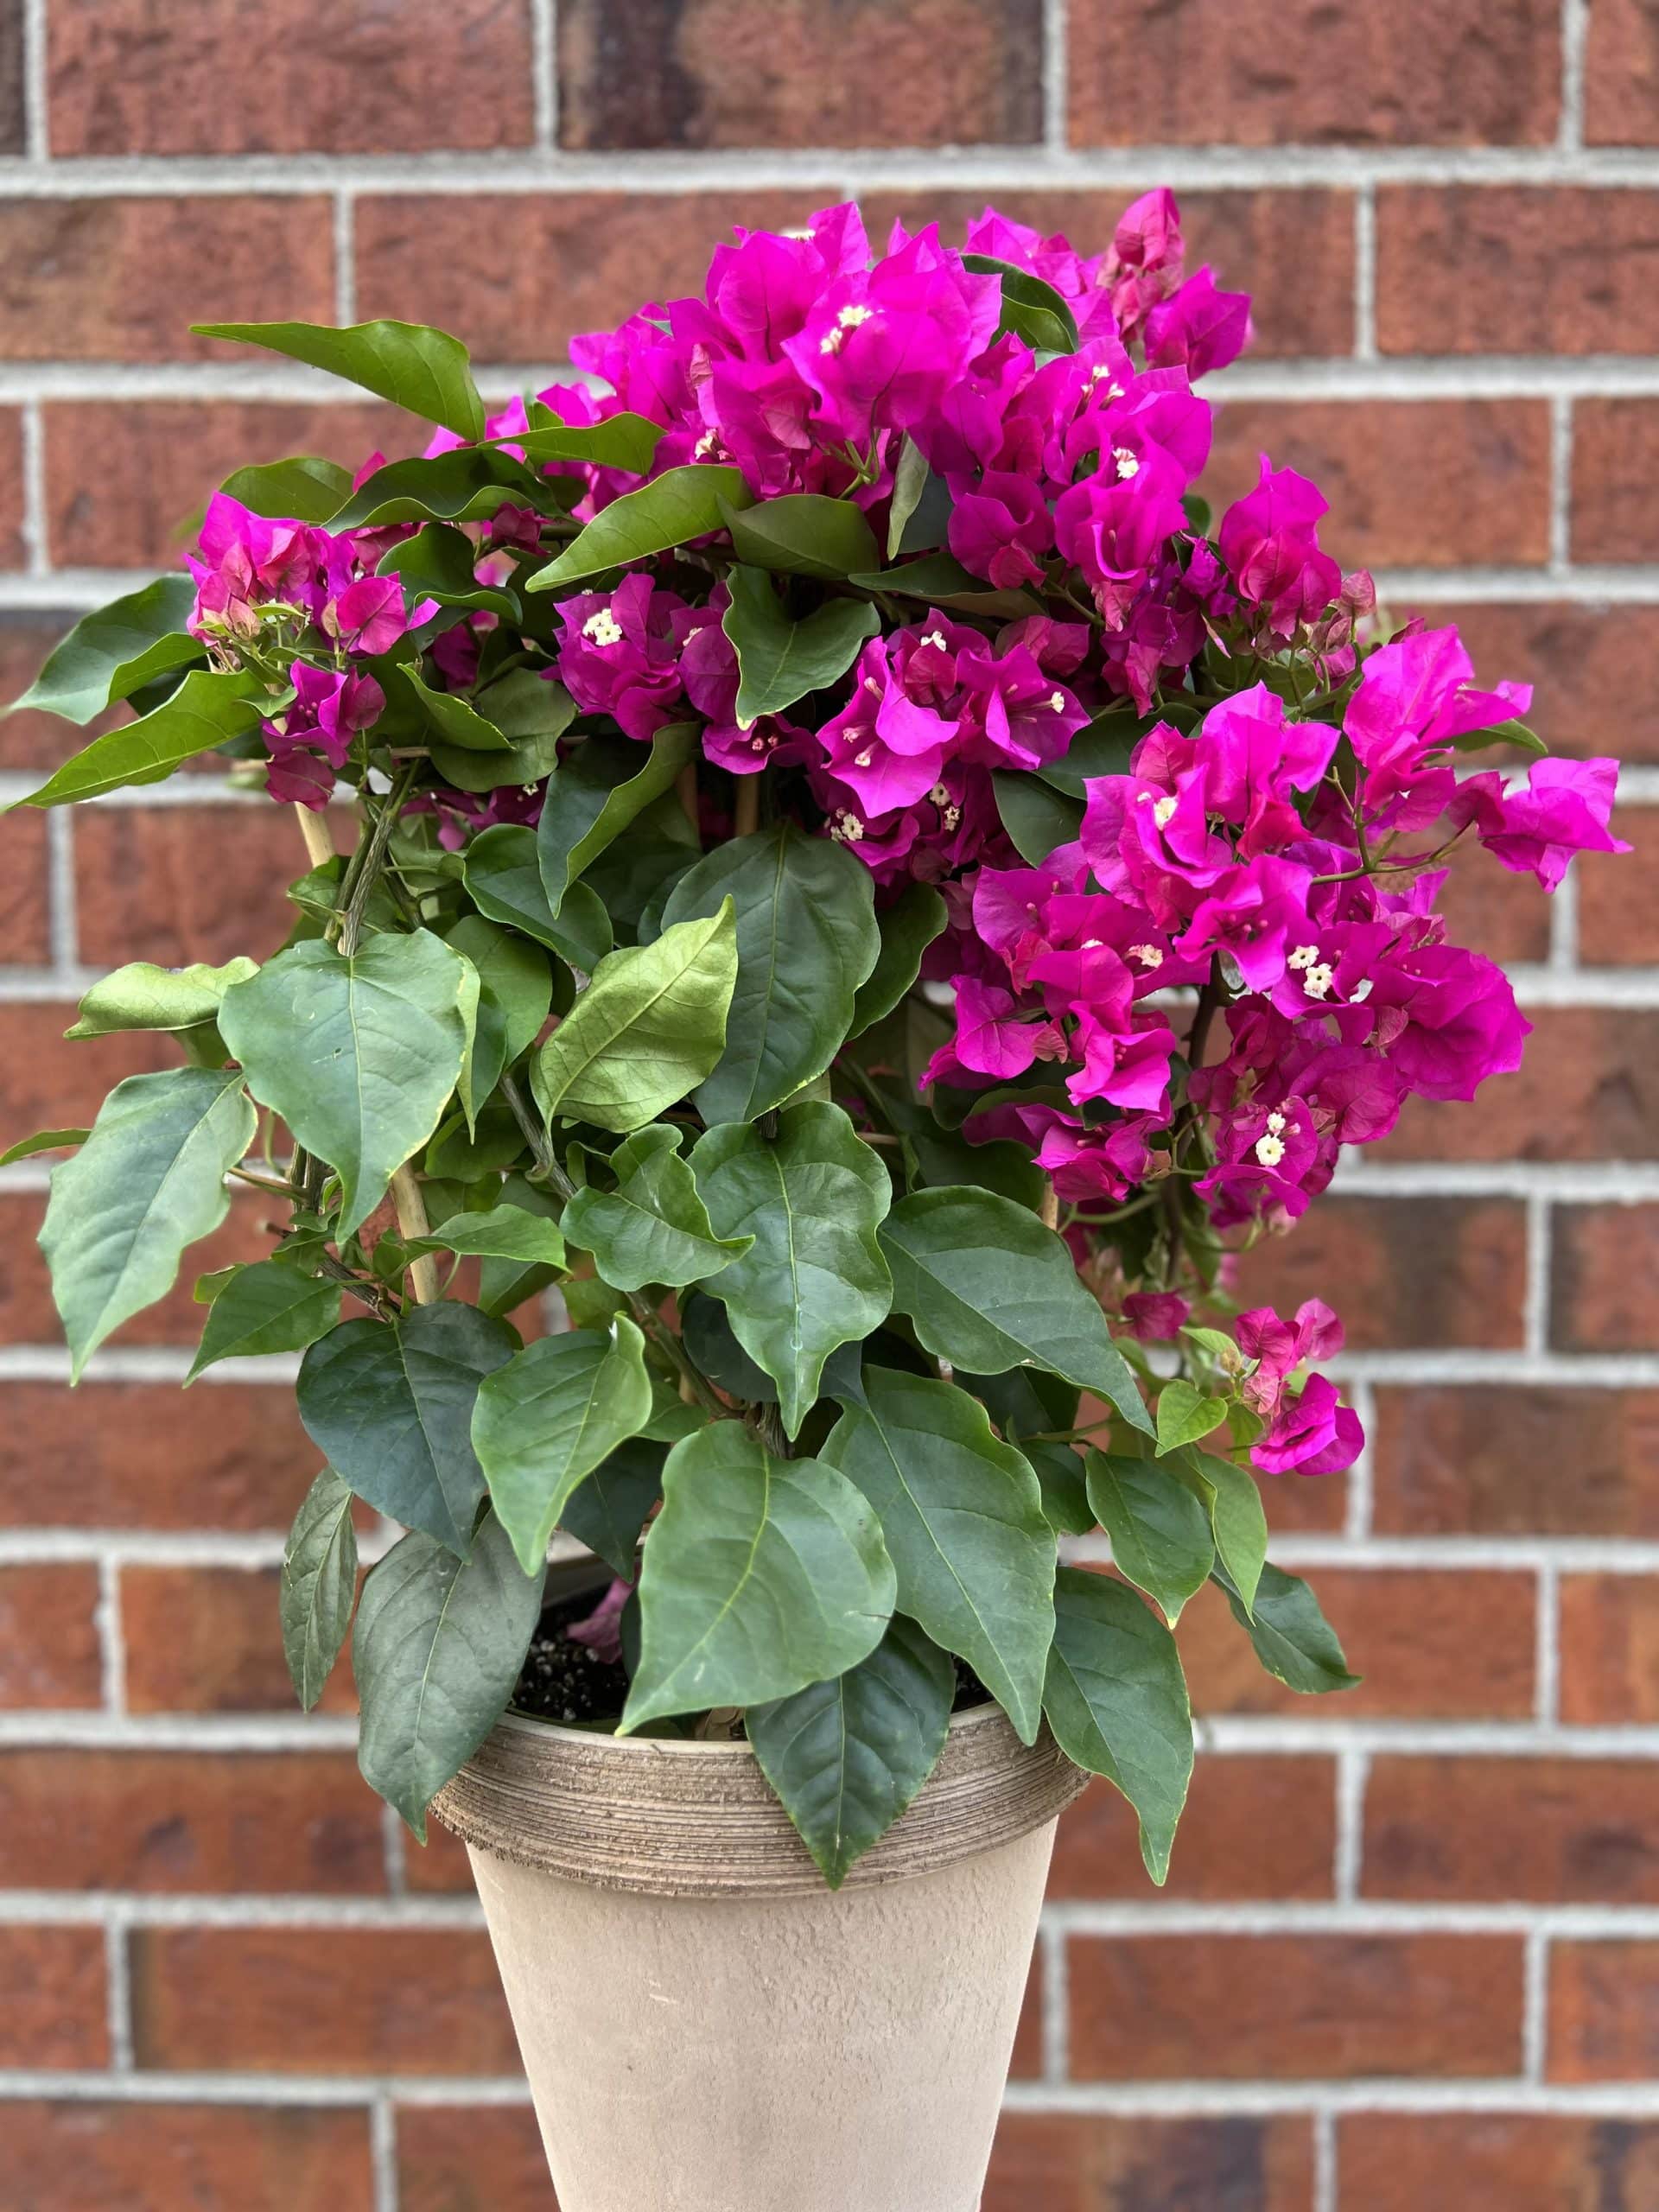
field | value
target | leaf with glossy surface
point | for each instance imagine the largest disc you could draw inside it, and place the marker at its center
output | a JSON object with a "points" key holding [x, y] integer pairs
{"points": [[907, 927], [1160, 1531], [759, 1577], [467, 484], [210, 707], [593, 798], [148, 1181], [803, 534], [440, 563], [607, 1510], [1035, 817], [941, 580], [1236, 1520], [673, 509], [1292, 1637], [909, 482], [812, 1198], [301, 487], [266, 1307], [436, 1651], [989, 1288], [505, 879], [846, 1757], [653, 1227], [964, 1520], [1034, 311], [621, 440], [1184, 1414], [780, 659], [530, 712], [319, 1585], [505, 1232], [806, 939], [390, 1406], [109, 654], [143, 997], [413, 365], [515, 990]]}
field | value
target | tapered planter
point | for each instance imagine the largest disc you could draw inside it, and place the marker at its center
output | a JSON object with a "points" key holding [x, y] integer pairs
{"points": [[706, 2026]]}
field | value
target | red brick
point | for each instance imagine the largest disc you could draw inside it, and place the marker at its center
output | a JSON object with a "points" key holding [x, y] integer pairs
{"points": [[12, 551], [1077, 2162], [1621, 74], [125, 482], [1610, 1649], [180, 1820], [691, 73], [1604, 2012], [11, 77], [54, 2012], [1615, 461], [1253, 1827], [1618, 895], [1027, 2063], [127, 78], [1430, 483], [1605, 1278], [1402, 1271], [1520, 2162], [441, 1865], [320, 2000], [206, 1639], [175, 884], [1588, 1089], [83, 2157], [1594, 669], [49, 1654], [491, 2160], [1515, 269], [25, 930], [122, 280], [479, 265], [34, 741], [1429, 1647], [1491, 909], [1574, 1831], [1517, 1459], [45, 1084], [1294, 2008], [142, 1455], [1462, 75]]}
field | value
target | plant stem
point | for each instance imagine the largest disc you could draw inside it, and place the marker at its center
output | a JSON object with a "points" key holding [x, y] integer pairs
{"points": [[746, 819], [318, 838], [410, 1208]]}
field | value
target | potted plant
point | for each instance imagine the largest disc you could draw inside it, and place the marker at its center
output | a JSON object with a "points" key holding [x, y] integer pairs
{"points": [[855, 885]]}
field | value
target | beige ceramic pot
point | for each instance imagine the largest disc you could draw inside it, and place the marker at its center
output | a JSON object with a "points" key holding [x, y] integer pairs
{"points": [[706, 2027]]}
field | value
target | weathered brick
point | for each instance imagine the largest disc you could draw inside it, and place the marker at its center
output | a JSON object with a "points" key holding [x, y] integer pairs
{"points": [[11, 76], [1522, 2162], [1618, 895], [11, 488], [84, 2156], [49, 1652], [1605, 1278], [1615, 461], [1077, 2162], [1610, 1649], [179, 1820], [54, 2012], [127, 78], [1517, 1459], [1429, 1647], [122, 280], [1621, 74], [440, 1865], [180, 883], [1588, 1089], [25, 922], [50, 1085], [1517, 268], [453, 2160], [1491, 910], [32, 740], [1253, 1827], [206, 1639], [1402, 1271], [1300, 2007], [320, 2000], [1026, 2063], [1432, 483], [1594, 669], [1604, 2012], [827, 73], [1575, 1831]]}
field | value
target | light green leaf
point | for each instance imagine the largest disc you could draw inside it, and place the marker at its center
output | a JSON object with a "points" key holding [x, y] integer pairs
{"points": [[209, 707], [847, 1756], [506, 882], [608, 1511], [988, 1287], [1184, 1414], [148, 1181], [806, 939], [357, 1056], [43, 1140], [319, 1585], [653, 1227], [1293, 1639], [811, 1197], [964, 1520], [621, 440], [390, 1406], [515, 991], [803, 534], [143, 997], [505, 1284], [550, 1417], [1160, 1531], [505, 1232], [780, 660], [646, 1030], [440, 563], [423, 370], [301, 488], [597, 793], [674, 508], [1116, 1700], [267, 1307], [908, 926], [1236, 1520], [436, 1651], [909, 482], [109, 654], [760, 1576]]}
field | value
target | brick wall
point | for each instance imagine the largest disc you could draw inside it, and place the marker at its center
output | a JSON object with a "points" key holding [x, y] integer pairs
{"points": [[1410, 1951]]}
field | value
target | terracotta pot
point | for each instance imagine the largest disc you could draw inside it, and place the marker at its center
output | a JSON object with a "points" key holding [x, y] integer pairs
{"points": [[706, 2026]]}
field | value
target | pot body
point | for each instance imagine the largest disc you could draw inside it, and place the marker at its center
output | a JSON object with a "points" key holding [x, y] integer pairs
{"points": [[705, 2025]]}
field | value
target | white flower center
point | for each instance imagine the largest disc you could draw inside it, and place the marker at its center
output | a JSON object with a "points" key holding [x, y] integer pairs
{"points": [[1277, 1124], [1148, 955], [939, 796], [1269, 1150], [1128, 464], [936, 638], [1057, 701], [1318, 981], [706, 443], [603, 628], [1304, 956], [1163, 810]]}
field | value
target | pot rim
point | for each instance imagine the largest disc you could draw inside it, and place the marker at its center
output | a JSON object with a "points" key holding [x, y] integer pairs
{"points": [[739, 1746]]}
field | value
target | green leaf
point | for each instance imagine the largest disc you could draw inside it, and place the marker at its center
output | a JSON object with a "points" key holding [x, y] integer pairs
{"points": [[759, 1577], [531, 713], [301, 488], [266, 1307], [390, 1406], [1037, 817], [909, 482], [515, 989], [440, 563], [143, 997], [1116, 1700], [597, 793], [423, 370], [803, 534], [1101, 748], [806, 939], [42, 1140], [505, 1232], [621, 440], [1060, 1476], [674, 508], [467, 484], [1506, 733], [506, 883], [1030, 308], [548, 1418], [209, 709], [847, 1756], [645, 1030], [907, 927], [1160, 1531], [941, 580], [109, 654], [988, 1287], [443, 715], [964, 1520], [319, 1585], [148, 1181], [1184, 1414], [811, 1199], [437, 1652], [608, 1511], [1293, 1639], [710, 1339], [653, 1227], [504, 1284], [780, 660], [1236, 1520]]}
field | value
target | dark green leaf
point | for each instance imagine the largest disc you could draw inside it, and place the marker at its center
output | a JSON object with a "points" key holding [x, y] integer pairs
{"points": [[1101, 749], [1507, 733], [515, 991], [653, 1227], [208, 708], [467, 484], [621, 440], [319, 1585], [440, 562], [506, 883], [909, 482], [908, 926], [597, 793], [608, 1510], [1030, 308], [531, 715], [803, 534], [1037, 817], [301, 488], [109, 654], [1236, 1520], [1065, 1494], [143, 997], [673, 509], [1160, 1531], [779, 659], [1293, 1639], [267, 1307], [423, 370], [712, 1343], [941, 580]]}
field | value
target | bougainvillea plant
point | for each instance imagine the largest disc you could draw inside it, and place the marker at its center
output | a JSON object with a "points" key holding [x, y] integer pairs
{"points": [[857, 884]]}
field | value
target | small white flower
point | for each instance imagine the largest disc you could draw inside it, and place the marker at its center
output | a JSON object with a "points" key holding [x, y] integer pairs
{"points": [[1270, 1151], [1148, 955], [1318, 981], [831, 341], [845, 829], [1057, 701], [851, 318], [939, 796], [1128, 464], [1163, 810], [936, 638], [1277, 1124], [603, 628], [952, 816], [1304, 956]]}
